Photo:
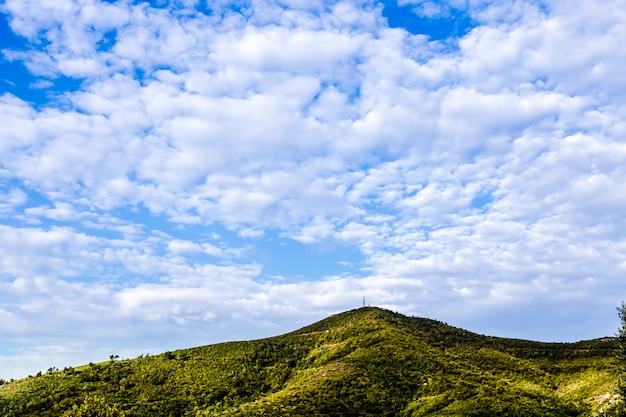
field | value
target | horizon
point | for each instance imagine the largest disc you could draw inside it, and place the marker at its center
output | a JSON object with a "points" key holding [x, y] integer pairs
{"points": [[177, 173], [365, 307]]}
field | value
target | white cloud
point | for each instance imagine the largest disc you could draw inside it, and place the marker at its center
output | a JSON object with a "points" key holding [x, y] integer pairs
{"points": [[28, 252], [12, 200], [19, 129], [41, 84], [473, 178], [61, 211]]}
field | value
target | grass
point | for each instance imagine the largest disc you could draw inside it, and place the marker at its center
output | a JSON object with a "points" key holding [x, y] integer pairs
{"points": [[364, 362]]}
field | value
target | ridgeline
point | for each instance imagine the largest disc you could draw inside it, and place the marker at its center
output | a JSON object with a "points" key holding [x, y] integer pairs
{"points": [[364, 362]]}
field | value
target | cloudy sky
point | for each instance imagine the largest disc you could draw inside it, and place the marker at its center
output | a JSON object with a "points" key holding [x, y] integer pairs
{"points": [[184, 172]]}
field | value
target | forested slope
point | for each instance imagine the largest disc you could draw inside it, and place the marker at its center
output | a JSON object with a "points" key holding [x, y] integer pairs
{"points": [[364, 362]]}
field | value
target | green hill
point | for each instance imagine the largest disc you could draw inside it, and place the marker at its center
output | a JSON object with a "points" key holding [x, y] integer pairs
{"points": [[364, 362]]}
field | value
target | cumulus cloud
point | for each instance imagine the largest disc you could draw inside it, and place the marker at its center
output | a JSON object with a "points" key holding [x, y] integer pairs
{"points": [[473, 176]]}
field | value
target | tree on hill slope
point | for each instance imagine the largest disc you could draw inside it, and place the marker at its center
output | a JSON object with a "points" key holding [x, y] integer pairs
{"points": [[364, 362]]}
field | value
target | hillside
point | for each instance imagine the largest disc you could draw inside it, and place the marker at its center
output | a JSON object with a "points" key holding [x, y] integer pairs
{"points": [[364, 362]]}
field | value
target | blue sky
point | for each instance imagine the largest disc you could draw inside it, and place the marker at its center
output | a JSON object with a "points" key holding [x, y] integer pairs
{"points": [[180, 173]]}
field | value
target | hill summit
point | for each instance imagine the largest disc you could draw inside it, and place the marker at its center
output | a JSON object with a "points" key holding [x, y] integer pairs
{"points": [[363, 362]]}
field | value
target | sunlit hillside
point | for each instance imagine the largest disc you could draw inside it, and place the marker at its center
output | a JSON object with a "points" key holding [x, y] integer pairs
{"points": [[364, 362]]}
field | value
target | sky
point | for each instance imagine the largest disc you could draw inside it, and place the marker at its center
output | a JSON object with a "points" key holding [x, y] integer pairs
{"points": [[186, 172]]}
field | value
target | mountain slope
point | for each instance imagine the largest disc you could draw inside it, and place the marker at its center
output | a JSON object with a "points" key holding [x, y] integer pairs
{"points": [[364, 362]]}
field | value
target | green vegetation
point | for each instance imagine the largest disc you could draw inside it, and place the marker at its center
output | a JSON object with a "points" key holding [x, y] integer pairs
{"points": [[620, 409], [364, 362]]}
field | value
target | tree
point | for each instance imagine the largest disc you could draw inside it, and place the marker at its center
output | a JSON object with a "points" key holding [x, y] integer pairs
{"points": [[621, 358], [94, 406]]}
